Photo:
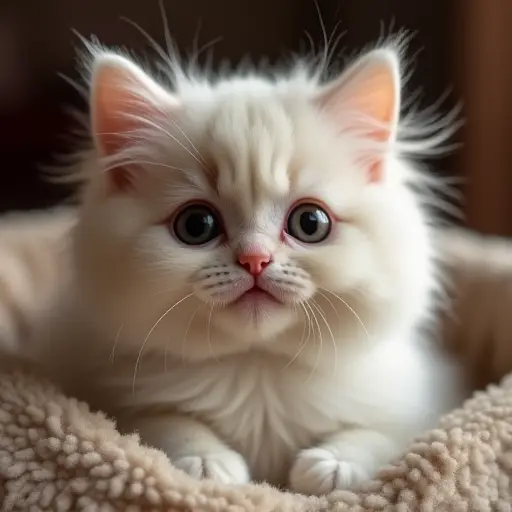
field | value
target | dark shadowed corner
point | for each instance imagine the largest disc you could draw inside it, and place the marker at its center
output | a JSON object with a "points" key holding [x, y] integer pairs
{"points": [[37, 43]]}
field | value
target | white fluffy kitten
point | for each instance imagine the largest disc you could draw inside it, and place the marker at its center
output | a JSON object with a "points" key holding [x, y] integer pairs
{"points": [[251, 270]]}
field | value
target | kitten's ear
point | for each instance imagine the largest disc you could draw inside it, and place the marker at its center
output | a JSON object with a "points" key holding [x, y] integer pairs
{"points": [[366, 98], [122, 98]]}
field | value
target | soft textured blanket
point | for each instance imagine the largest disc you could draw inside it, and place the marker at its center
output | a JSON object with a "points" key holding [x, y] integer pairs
{"points": [[57, 455]]}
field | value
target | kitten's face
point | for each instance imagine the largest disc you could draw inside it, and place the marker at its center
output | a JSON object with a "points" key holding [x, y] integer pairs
{"points": [[256, 234], [249, 230], [248, 209]]}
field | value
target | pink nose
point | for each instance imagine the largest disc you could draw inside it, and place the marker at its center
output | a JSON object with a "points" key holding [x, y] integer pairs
{"points": [[254, 263]]}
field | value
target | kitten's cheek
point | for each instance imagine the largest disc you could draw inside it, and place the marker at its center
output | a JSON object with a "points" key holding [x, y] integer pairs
{"points": [[334, 279], [334, 270], [315, 276]]}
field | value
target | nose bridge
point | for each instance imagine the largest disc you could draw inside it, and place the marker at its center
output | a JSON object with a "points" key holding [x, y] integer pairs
{"points": [[253, 242]]}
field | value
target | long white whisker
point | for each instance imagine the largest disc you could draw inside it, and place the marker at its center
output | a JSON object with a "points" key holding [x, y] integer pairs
{"points": [[319, 352], [336, 312], [304, 328], [170, 135], [208, 334], [351, 309], [186, 332], [192, 145], [322, 315], [139, 355], [302, 345], [116, 340]]}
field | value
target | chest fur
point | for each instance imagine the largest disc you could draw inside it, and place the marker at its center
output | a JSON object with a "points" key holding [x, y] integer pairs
{"points": [[260, 407]]}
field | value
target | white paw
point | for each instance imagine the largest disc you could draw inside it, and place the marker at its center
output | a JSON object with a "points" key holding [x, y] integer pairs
{"points": [[227, 467], [319, 471]]}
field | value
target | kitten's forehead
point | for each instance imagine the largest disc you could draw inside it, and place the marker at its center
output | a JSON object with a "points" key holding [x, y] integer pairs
{"points": [[262, 148], [249, 139]]}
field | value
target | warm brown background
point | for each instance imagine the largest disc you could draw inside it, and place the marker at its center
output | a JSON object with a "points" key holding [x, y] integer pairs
{"points": [[459, 44]]}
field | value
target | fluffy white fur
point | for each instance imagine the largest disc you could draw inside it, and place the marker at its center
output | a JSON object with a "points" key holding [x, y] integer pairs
{"points": [[317, 391]]}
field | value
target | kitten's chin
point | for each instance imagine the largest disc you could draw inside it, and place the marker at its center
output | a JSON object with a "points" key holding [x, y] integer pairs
{"points": [[255, 317]]}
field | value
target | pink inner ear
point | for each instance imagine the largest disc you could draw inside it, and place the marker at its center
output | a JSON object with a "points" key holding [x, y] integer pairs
{"points": [[116, 108], [123, 97], [117, 105], [380, 105], [366, 99], [376, 99]]}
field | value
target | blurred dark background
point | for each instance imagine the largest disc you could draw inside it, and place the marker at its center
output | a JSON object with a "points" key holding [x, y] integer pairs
{"points": [[458, 45]]}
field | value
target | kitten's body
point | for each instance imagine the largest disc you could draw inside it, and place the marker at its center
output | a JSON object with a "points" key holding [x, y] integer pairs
{"points": [[259, 353], [34, 262], [260, 405]]}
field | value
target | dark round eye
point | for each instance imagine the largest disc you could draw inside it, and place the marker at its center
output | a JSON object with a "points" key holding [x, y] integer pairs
{"points": [[309, 223], [197, 224]]}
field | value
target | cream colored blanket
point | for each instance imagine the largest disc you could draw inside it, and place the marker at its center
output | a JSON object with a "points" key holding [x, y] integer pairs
{"points": [[57, 455]]}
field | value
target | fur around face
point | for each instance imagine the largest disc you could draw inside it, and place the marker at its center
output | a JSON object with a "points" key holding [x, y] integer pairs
{"points": [[325, 361]]}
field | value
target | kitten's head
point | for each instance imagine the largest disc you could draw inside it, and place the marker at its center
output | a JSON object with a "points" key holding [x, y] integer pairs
{"points": [[255, 201]]}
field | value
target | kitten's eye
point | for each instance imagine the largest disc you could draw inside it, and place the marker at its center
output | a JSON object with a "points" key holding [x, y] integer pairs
{"points": [[309, 223], [197, 224]]}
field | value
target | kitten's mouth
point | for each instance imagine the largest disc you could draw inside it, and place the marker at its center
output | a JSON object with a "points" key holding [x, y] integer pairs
{"points": [[256, 296]]}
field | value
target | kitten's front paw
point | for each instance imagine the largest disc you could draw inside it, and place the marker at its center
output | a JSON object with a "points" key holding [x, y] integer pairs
{"points": [[227, 467], [319, 471]]}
